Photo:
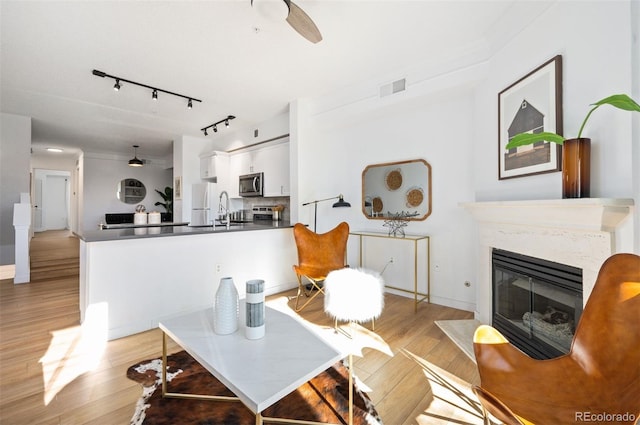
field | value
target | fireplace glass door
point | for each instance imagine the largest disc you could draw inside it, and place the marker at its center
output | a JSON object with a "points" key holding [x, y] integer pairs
{"points": [[537, 303]]}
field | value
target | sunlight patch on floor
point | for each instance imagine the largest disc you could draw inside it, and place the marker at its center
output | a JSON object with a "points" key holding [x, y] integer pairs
{"points": [[8, 271], [453, 401], [74, 351], [361, 337]]}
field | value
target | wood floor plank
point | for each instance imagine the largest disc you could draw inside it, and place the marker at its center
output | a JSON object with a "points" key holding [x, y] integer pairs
{"points": [[40, 321]]}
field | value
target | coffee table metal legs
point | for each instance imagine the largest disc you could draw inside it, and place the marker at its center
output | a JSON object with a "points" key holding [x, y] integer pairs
{"points": [[260, 420], [166, 393]]}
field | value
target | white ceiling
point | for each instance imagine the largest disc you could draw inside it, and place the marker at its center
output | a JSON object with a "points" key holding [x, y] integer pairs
{"points": [[238, 59]]}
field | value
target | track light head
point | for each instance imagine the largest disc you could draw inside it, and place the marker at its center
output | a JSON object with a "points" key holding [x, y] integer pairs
{"points": [[214, 126], [155, 90], [205, 132]]}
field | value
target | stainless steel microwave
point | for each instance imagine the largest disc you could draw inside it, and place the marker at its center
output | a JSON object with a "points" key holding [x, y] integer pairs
{"points": [[251, 184]]}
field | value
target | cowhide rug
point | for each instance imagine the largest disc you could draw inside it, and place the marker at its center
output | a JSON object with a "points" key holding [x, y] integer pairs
{"points": [[323, 399]]}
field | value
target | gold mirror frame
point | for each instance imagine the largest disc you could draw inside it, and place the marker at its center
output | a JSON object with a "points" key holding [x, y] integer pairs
{"points": [[397, 187]]}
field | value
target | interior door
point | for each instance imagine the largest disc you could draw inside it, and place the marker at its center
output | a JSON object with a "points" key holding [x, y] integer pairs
{"points": [[56, 211], [37, 207]]}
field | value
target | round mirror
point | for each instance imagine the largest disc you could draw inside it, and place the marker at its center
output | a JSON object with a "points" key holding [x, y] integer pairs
{"points": [[131, 191]]}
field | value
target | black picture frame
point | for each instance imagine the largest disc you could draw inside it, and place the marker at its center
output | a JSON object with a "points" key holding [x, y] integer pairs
{"points": [[531, 104]]}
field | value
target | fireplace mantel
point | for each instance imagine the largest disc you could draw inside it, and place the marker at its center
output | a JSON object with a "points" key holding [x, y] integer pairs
{"points": [[597, 214], [578, 232]]}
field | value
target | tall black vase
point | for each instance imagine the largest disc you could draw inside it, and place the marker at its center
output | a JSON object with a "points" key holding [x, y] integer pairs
{"points": [[576, 168]]}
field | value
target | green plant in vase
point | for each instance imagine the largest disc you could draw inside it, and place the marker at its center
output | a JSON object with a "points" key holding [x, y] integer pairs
{"points": [[167, 197], [576, 152]]}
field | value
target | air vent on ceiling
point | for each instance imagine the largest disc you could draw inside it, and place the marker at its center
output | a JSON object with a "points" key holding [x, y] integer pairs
{"points": [[394, 87]]}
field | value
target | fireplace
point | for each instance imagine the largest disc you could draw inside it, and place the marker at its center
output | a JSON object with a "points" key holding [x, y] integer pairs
{"points": [[536, 303]]}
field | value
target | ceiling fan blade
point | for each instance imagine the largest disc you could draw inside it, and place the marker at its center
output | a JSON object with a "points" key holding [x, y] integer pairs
{"points": [[302, 23]]}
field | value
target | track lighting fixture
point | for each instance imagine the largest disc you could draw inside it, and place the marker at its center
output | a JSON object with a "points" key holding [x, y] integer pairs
{"points": [[135, 162], [155, 90], [214, 126]]}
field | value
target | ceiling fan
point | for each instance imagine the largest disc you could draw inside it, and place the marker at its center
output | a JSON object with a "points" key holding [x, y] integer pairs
{"points": [[301, 22]]}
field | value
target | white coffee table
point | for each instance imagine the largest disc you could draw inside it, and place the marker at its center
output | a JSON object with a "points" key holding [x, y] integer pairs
{"points": [[259, 372]]}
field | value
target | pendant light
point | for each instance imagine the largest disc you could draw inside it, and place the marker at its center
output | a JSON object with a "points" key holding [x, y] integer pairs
{"points": [[135, 162]]}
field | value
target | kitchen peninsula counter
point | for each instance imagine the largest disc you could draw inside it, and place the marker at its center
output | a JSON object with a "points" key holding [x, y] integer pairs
{"points": [[180, 229], [131, 279]]}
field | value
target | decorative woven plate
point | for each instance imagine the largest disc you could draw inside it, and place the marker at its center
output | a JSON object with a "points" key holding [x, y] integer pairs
{"points": [[414, 196], [393, 179], [377, 204]]}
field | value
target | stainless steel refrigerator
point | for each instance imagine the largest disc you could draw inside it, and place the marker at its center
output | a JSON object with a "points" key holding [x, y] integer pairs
{"points": [[200, 204]]}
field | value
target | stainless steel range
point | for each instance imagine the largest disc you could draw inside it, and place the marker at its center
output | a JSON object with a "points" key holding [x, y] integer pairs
{"points": [[262, 213]]}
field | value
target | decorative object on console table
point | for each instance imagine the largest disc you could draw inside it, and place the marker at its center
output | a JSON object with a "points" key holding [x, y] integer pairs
{"points": [[576, 153], [227, 308], [255, 309], [531, 104], [397, 222]]}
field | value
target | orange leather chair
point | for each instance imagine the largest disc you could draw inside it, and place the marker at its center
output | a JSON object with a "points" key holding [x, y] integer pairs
{"points": [[318, 254], [598, 381]]}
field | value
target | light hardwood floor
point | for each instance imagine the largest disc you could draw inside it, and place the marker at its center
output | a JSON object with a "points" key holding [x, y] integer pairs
{"points": [[53, 373]]}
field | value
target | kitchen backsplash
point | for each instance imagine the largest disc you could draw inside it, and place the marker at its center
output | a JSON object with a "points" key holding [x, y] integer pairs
{"points": [[249, 203]]}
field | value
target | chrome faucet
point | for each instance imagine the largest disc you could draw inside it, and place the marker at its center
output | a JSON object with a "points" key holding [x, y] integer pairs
{"points": [[226, 208]]}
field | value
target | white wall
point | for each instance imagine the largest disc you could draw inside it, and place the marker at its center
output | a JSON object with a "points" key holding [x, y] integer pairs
{"points": [[15, 152], [101, 176], [450, 120], [227, 139], [186, 153], [334, 147], [595, 43], [635, 83]]}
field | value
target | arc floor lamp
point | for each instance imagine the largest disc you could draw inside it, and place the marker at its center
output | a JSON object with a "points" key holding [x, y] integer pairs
{"points": [[341, 203]]}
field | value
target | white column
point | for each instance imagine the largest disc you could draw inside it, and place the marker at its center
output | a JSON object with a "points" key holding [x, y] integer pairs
{"points": [[22, 224]]}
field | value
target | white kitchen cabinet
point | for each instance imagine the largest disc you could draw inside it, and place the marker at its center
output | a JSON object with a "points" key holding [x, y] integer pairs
{"points": [[214, 167], [270, 159], [239, 163], [274, 163]]}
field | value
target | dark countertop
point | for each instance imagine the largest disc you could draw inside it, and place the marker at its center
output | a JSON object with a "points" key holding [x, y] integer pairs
{"points": [[164, 230]]}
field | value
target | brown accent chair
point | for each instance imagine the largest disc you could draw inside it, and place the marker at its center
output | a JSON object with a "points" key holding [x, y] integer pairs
{"points": [[318, 254], [599, 375]]}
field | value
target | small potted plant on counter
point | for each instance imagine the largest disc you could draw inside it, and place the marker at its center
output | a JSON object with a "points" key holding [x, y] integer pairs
{"points": [[167, 197], [576, 152]]}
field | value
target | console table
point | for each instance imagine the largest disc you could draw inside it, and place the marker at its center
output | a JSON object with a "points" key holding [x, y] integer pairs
{"points": [[384, 250]]}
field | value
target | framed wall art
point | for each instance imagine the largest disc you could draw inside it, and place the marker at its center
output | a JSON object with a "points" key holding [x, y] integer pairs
{"points": [[531, 104], [177, 187]]}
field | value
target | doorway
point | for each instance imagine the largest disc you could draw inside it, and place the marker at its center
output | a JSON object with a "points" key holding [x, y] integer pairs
{"points": [[52, 200]]}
